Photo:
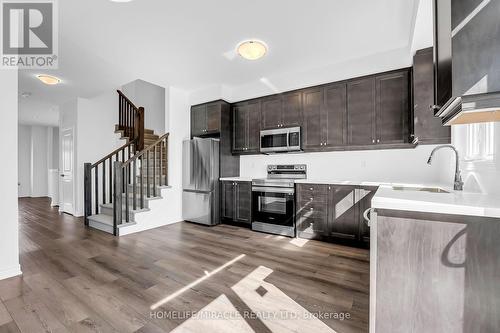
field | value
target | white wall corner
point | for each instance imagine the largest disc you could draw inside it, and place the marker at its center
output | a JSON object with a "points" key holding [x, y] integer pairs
{"points": [[422, 35], [9, 236]]}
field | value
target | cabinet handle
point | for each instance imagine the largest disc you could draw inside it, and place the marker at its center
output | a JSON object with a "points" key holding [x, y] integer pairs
{"points": [[367, 216], [311, 189], [373, 141], [378, 140]]}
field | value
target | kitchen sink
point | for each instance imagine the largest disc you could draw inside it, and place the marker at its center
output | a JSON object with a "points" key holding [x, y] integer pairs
{"points": [[420, 189]]}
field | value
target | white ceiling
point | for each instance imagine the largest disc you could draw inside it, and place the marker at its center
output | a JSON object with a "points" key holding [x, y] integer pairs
{"points": [[190, 44]]}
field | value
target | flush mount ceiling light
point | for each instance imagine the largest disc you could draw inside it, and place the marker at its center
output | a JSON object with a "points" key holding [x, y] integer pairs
{"points": [[252, 49], [49, 79]]}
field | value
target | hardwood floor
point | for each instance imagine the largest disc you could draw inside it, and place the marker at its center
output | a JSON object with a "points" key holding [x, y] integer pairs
{"points": [[82, 280]]}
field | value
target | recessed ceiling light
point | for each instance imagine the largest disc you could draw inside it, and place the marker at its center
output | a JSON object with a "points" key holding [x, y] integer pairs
{"points": [[252, 49], [49, 79]]}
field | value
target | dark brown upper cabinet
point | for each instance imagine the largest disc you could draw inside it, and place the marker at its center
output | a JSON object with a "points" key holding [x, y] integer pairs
{"points": [[246, 127], [334, 116], [206, 119], [378, 110], [311, 127], [428, 129], [292, 109], [325, 117], [284, 110], [361, 112], [392, 108], [272, 112]]}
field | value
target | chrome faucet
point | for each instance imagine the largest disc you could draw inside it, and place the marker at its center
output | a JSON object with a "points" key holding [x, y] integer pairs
{"points": [[459, 184]]}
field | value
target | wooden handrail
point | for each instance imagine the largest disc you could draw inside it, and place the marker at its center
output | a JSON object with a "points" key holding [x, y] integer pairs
{"points": [[126, 98], [117, 150]]}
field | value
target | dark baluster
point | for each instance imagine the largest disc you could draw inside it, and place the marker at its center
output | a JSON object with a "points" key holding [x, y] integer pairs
{"points": [[87, 185], [127, 170], [154, 171], [121, 112], [104, 181], [96, 190], [134, 186], [117, 202], [111, 179], [161, 163], [123, 171], [141, 173], [147, 174]]}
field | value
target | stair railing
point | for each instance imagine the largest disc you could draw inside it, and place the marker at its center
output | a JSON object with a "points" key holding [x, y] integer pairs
{"points": [[103, 190], [131, 120], [149, 165], [98, 177]]}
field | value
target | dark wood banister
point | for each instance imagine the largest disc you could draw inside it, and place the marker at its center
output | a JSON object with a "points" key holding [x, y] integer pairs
{"points": [[117, 150], [126, 98]]}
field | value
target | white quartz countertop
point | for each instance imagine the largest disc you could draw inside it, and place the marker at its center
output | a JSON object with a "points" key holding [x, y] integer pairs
{"points": [[454, 202], [236, 179], [339, 182]]}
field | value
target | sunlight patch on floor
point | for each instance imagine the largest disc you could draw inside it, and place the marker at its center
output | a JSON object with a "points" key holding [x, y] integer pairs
{"points": [[299, 242], [194, 283], [220, 316], [277, 311]]}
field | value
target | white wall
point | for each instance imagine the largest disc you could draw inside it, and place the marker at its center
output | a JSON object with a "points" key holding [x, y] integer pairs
{"points": [[179, 128], [96, 137], [423, 33], [152, 98], [39, 161], [401, 165], [24, 161], [9, 235]]}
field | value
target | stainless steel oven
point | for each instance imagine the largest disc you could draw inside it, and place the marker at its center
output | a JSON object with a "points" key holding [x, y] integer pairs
{"points": [[273, 200], [280, 140]]}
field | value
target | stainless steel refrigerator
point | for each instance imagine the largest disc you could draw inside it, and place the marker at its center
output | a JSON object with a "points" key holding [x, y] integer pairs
{"points": [[200, 181]]}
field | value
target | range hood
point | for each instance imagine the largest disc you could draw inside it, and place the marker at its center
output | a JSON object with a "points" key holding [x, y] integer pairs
{"points": [[469, 109]]}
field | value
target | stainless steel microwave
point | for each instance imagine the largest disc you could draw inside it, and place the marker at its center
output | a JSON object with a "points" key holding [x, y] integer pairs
{"points": [[280, 140]]}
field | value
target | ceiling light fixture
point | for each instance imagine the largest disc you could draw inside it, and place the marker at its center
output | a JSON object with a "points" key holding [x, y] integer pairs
{"points": [[49, 79], [252, 49]]}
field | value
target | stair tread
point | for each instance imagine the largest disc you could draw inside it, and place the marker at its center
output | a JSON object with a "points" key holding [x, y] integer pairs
{"points": [[102, 218], [138, 210]]}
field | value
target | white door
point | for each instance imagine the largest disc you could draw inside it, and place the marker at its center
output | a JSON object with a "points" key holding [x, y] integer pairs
{"points": [[67, 171]]}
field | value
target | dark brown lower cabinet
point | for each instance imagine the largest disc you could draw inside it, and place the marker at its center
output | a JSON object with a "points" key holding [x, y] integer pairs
{"points": [[236, 202], [333, 212]]}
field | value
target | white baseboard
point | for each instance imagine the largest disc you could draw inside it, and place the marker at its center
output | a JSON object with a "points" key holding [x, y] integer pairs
{"points": [[10, 272]]}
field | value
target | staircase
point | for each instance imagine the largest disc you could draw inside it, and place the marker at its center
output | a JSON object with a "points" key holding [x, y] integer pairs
{"points": [[122, 184]]}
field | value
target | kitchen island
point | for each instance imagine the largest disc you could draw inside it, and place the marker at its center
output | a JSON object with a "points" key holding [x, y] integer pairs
{"points": [[434, 261]]}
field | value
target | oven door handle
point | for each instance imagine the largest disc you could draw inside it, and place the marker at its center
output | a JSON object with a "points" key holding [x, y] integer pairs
{"points": [[273, 190]]}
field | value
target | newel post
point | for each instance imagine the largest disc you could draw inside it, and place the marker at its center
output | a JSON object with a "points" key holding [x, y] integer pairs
{"points": [[87, 189], [117, 199], [139, 129]]}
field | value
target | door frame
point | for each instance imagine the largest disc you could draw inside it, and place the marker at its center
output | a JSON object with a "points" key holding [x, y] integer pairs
{"points": [[61, 199]]}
